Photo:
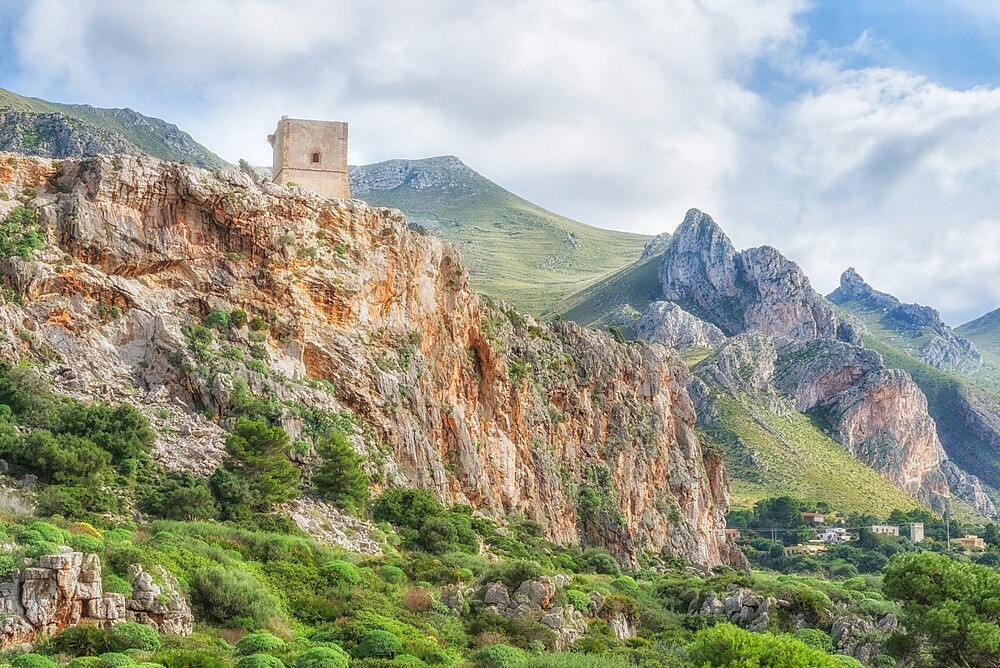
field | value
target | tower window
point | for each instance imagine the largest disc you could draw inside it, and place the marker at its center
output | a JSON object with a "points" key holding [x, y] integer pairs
{"points": [[315, 158]]}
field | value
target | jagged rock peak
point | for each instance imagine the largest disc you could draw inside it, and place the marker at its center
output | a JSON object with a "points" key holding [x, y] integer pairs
{"points": [[853, 288], [756, 289], [945, 350], [669, 324]]}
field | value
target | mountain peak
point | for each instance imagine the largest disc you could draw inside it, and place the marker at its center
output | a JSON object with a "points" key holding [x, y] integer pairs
{"points": [[853, 288]]}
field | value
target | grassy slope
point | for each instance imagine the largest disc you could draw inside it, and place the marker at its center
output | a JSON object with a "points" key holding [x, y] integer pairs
{"points": [[798, 459], [148, 139], [635, 285], [985, 333], [514, 249]]}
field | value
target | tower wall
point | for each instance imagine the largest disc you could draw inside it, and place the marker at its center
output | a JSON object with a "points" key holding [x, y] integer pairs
{"points": [[296, 141]]}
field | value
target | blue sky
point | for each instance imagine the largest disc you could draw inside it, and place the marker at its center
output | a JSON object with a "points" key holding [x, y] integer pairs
{"points": [[846, 132]]}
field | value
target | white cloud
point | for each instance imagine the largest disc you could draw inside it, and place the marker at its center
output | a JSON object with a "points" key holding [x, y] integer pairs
{"points": [[617, 113]]}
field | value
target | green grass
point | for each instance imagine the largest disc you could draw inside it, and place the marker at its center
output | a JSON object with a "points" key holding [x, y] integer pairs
{"points": [[791, 455], [152, 136], [514, 250], [635, 285]]}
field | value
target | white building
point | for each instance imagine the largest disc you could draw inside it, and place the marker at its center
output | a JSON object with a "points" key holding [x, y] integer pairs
{"points": [[835, 535]]}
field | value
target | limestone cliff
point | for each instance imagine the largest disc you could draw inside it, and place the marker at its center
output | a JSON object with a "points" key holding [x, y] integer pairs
{"points": [[669, 324], [66, 589], [756, 289], [353, 313]]}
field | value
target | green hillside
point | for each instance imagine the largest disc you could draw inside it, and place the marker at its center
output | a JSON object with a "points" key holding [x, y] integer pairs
{"points": [[985, 333], [633, 287], [513, 249], [770, 455], [146, 134]]}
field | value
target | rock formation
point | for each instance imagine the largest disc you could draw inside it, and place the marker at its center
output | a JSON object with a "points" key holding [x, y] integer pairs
{"points": [[756, 289], [357, 314], [66, 589], [535, 599], [944, 349], [669, 324]]}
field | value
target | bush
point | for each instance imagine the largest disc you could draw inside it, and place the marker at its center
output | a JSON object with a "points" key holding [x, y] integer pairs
{"points": [[217, 319], [237, 318], [392, 574], [579, 600], [260, 643], [499, 656], [133, 635], [32, 661], [815, 638], [340, 572], [19, 234], [85, 543], [82, 640], [259, 661], [115, 660], [232, 597], [625, 584], [378, 644], [322, 657], [727, 645], [189, 658], [84, 662]]}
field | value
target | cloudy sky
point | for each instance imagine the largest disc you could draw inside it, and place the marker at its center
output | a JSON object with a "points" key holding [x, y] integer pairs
{"points": [[844, 132]]}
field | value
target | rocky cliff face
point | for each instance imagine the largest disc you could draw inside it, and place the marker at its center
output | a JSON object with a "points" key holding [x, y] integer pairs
{"points": [[943, 348], [55, 136], [756, 289], [66, 589], [669, 324], [357, 315]]}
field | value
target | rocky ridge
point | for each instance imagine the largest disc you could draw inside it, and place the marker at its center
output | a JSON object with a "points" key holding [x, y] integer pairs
{"points": [[756, 289], [66, 589], [789, 352], [943, 350], [363, 317]]}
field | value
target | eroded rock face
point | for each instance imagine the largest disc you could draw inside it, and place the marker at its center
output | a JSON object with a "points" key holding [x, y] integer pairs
{"points": [[464, 397], [669, 324], [66, 589], [757, 289], [944, 350]]}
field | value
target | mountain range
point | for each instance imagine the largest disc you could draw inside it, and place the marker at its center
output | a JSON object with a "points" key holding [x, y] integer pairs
{"points": [[854, 398]]}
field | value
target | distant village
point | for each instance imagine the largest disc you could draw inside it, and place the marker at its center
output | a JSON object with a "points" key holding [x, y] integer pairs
{"points": [[830, 530]]}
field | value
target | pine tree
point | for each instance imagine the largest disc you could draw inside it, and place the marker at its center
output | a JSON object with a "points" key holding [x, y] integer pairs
{"points": [[339, 477]]}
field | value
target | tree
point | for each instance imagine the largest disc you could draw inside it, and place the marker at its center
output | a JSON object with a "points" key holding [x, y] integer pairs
{"points": [[256, 454], [991, 534], [339, 477], [951, 607]]}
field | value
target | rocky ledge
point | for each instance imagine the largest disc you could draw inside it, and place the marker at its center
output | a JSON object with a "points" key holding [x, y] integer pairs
{"points": [[67, 589]]}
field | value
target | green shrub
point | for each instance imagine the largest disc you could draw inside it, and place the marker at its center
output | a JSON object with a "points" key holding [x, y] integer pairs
{"points": [[579, 600], [84, 662], [232, 597], [391, 574], [259, 661], [625, 584], [379, 644], [340, 572], [133, 635], [499, 656], [19, 234], [32, 661], [815, 638], [260, 642], [82, 640], [85, 543], [237, 318], [217, 319], [116, 660], [726, 645], [189, 658], [323, 657]]}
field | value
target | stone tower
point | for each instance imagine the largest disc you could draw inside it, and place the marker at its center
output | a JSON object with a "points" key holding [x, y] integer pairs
{"points": [[312, 154]]}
